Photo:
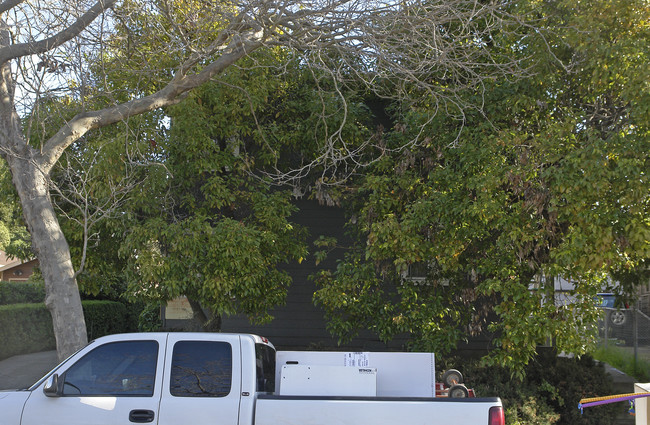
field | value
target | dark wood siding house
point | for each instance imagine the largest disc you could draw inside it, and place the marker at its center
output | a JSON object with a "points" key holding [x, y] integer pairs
{"points": [[300, 324]]}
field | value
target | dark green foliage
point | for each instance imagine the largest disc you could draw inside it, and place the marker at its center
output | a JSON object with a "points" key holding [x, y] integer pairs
{"points": [[149, 319], [205, 226], [107, 317], [549, 178], [14, 238], [550, 392], [25, 328], [21, 292]]}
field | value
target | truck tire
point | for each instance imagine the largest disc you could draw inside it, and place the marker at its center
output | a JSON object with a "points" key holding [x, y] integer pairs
{"points": [[618, 317], [458, 391], [452, 377]]}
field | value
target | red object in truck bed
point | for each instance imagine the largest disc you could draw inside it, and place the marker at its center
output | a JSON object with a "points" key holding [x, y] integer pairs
{"points": [[442, 391]]}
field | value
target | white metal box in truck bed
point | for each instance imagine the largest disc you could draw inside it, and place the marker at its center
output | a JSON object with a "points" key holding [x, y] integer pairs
{"points": [[398, 374]]}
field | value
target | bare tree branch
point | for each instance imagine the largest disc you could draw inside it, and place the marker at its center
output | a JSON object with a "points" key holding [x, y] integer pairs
{"points": [[9, 4], [14, 51], [169, 95]]}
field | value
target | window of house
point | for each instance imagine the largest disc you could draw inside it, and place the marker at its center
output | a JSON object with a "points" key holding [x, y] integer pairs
{"points": [[201, 369], [125, 368], [424, 273], [418, 271]]}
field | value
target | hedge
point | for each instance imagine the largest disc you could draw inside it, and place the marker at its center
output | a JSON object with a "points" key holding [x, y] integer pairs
{"points": [[108, 317], [21, 292], [27, 328], [550, 393]]}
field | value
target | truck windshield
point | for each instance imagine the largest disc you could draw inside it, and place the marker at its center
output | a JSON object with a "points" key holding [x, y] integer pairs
{"points": [[265, 356]]}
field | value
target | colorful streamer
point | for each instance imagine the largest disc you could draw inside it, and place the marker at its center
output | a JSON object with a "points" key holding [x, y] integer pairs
{"points": [[597, 401]]}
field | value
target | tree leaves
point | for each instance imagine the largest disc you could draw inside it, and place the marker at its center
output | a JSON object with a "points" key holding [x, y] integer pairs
{"points": [[550, 179]]}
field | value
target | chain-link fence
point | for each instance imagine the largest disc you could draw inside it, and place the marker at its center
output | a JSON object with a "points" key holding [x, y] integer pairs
{"points": [[628, 328]]}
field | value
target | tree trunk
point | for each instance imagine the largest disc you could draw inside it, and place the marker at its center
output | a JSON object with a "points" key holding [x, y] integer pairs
{"points": [[30, 177], [61, 291], [208, 324]]}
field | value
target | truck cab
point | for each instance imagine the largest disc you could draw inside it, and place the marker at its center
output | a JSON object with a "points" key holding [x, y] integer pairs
{"points": [[206, 381]]}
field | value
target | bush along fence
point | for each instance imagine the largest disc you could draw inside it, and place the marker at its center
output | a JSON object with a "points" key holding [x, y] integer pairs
{"points": [[27, 328]]}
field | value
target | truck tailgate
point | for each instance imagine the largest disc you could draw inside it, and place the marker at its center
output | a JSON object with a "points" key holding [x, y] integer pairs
{"points": [[305, 410]]}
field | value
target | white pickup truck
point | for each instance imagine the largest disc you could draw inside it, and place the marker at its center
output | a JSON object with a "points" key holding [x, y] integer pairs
{"points": [[225, 379]]}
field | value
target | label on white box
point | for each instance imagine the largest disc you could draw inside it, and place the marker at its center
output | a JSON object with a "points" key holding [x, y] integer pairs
{"points": [[356, 359]]}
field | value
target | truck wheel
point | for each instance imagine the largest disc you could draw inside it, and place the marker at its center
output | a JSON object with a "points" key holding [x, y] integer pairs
{"points": [[458, 391], [452, 377]]}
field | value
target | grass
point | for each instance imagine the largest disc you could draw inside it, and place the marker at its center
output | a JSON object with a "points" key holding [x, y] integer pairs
{"points": [[623, 359]]}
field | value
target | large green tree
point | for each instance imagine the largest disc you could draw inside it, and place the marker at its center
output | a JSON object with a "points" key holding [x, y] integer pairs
{"points": [[54, 50], [205, 226], [194, 212], [549, 179]]}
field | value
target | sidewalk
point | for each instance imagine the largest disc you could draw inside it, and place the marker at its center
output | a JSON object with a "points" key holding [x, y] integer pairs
{"points": [[622, 383], [22, 371]]}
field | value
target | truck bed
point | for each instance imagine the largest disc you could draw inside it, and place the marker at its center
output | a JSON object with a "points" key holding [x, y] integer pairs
{"points": [[329, 410]]}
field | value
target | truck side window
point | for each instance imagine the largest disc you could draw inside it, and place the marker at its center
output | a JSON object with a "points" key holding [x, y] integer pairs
{"points": [[115, 369], [265, 357], [201, 369]]}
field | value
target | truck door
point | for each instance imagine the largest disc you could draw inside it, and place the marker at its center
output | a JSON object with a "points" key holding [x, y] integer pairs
{"points": [[109, 384], [202, 380]]}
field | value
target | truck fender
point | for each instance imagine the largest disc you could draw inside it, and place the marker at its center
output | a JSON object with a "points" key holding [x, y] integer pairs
{"points": [[11, 406]]}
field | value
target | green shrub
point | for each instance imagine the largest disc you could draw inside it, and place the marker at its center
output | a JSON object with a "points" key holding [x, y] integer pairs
{"points": [[106, 318], [134, 311], [530, 411], [21, 292], [149, 319], [25, 328], [550, 392], [568, 380]]}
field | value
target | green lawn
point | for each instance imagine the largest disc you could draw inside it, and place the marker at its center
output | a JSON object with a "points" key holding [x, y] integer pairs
{"points": [[622, 358]]}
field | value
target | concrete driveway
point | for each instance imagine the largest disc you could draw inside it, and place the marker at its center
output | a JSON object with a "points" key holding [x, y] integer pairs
{"points": [[22, 371]]}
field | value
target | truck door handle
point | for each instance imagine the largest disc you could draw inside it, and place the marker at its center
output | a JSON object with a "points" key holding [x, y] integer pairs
{"points": [[141, 416]]}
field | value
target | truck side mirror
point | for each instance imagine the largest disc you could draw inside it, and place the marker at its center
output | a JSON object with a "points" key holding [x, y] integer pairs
{"points": [[51, 388]]}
